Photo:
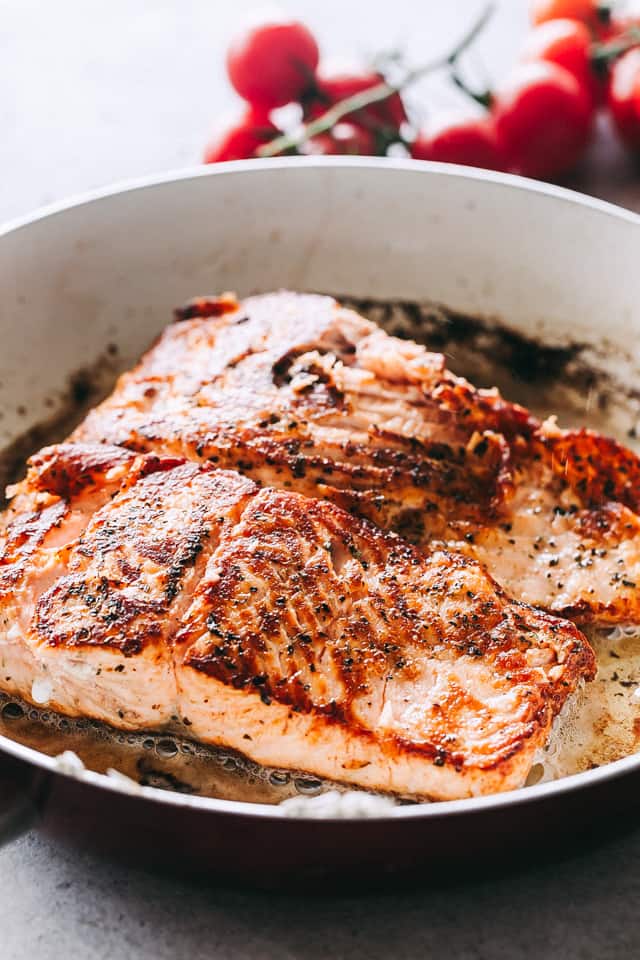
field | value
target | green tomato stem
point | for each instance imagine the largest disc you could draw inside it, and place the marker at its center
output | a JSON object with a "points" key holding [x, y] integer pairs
{"points": [[375, 94], [603, 53]]}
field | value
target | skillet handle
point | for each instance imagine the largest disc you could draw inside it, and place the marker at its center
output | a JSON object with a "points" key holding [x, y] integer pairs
{"points": [[23, 790]]}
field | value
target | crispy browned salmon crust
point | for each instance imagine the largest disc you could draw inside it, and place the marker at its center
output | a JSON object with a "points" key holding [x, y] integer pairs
{"points": [[297, 392], [147, 591]]}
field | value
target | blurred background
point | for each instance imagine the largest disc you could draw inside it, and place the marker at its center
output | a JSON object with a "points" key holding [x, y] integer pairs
{"points": [[93, 92]]}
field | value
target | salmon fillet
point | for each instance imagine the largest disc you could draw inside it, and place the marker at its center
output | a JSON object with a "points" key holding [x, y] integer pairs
{"points": [[100, 553], [154, 592], [297, 392]]}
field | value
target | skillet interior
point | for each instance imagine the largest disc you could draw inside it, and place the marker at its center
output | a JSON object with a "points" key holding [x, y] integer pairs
{"points": [[573, 381]]}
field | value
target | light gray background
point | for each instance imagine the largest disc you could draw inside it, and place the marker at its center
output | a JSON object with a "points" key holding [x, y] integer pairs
{"points": [[92, 91]]}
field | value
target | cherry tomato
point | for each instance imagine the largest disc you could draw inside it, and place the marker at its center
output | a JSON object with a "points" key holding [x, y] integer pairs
{"points": [[242, 140], [344, 138], [566, 43], [471, 141], [543, 120], [623, 97], [386, 113], [592, 12], [274, 63]]}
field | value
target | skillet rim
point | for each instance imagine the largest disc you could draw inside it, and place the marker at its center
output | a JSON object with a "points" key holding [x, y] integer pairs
{"points": [[243, 167]]}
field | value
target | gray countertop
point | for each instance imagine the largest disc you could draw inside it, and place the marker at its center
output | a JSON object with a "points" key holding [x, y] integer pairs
{"points": [[93, 92], [59, 904]]}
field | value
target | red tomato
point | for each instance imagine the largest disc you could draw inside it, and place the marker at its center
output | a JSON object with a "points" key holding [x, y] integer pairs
{"points": [[472, 142], [242, 140], [623, 97], [344, 138], [591, 12], [385, 113], [543, 120], [274, 63], [566, 43]]}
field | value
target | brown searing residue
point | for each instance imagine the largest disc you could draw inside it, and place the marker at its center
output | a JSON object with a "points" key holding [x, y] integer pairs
{"points": [[85, 387]]}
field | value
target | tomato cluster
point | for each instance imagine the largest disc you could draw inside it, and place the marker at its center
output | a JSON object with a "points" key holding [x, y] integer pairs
{"points": [[276, 63], [577, 59]]}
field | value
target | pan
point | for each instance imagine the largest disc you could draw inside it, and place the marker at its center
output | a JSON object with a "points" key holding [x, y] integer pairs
{"points": [[88, 284]]}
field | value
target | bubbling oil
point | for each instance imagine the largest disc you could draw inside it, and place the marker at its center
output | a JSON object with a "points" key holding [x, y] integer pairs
{"points": [[152, 759]]}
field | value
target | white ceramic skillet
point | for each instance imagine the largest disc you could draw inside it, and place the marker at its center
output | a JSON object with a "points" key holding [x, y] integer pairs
{"points": [[82, 278]]}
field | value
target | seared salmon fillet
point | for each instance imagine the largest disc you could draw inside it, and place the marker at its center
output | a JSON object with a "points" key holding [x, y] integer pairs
{"points": [[90, 599], [150, 592], [298, 392], [49, 510]]}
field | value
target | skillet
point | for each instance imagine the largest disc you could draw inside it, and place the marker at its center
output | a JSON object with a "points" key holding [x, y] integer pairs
{"points": [[87, 285]]}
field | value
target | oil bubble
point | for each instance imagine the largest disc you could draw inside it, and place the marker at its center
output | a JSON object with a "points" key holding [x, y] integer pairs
{"points": [[12, 711], [279, 778], [307, 786]]}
